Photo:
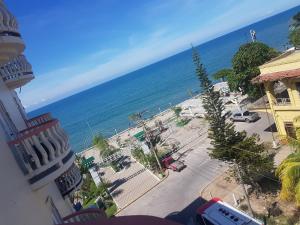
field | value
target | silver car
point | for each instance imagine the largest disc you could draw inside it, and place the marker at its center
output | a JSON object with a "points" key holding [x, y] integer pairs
{"points": [[245, 116]]}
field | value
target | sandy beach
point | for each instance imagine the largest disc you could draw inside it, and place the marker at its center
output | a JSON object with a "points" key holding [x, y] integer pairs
{"points": [[164, 116]]}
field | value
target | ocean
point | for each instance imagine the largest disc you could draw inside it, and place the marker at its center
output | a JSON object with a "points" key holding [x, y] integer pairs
{"points": [[105, 108]]}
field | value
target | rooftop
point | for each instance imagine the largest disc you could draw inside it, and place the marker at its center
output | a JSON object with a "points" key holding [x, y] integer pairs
{"points": [[287, 65]]}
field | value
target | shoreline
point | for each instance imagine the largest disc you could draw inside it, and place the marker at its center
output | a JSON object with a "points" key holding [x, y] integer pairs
{"points": [[128, 133]]}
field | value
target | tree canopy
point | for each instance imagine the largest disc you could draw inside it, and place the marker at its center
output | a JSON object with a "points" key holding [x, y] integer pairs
{"points": [[294, 34], [296, 21], [102, 144], [294, 37], [177, 110], [245, 64], [223, 74], [229, 145]]}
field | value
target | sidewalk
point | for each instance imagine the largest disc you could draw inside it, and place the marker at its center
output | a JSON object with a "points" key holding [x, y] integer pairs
{"points": [[223, 189]]}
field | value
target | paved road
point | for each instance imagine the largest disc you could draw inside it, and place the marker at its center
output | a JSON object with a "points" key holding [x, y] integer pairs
{"points": [[179, 190], [177, 197]]}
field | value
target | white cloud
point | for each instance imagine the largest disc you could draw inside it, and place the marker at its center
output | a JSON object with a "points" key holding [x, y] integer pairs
{"points": [[161, 43]]}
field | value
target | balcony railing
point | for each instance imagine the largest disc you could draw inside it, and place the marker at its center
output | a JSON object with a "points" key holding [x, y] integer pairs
{"points": [[42, 152], [16, 72], [35, 121], [85, 215], [97, 216], [69, 181], [283, 101], [11, 44]]}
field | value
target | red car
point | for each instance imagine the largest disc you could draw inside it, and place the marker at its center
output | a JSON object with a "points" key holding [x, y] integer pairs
{"points": [[172, 164]]}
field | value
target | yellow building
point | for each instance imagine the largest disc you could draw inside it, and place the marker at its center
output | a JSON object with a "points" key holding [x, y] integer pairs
{"points": [[281, 78]]}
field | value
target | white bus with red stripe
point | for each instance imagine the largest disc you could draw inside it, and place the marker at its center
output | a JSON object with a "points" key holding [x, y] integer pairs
{"points": [[217, 212]]}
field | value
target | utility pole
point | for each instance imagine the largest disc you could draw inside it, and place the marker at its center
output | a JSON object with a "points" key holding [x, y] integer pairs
{"points": [[152, 148], [244, 189], [138, 117]]}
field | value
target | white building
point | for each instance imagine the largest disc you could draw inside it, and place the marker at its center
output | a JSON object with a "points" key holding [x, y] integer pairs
{"points": [[37, 167]]}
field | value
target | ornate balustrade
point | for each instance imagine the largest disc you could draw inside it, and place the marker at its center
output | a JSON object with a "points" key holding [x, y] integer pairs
{"points": [[69, 181], [35, 121], [42, 151], [11, 44], [16, 72]]}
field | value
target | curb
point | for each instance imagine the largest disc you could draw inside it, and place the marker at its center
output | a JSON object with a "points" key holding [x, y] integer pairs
{"points": [[206, 186], [167, 174]]}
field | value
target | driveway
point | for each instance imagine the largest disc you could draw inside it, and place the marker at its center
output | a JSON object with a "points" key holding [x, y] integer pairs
{"points": [[130, 183]]}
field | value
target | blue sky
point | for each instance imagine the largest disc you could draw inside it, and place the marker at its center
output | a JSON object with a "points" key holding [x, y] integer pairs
{"points": [[76, 44]]}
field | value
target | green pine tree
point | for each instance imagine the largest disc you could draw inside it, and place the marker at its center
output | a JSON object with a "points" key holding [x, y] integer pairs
{"points": [[221, 133], [229, 145]]}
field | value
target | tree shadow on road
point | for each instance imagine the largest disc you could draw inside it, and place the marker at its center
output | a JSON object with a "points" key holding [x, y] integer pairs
{"points": [[116, 193], [187, 213], [114, 185]]}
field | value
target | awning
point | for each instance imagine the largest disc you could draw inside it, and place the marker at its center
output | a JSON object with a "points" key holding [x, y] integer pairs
{"points": [[140, 135], [277, 76], [89, 162]]}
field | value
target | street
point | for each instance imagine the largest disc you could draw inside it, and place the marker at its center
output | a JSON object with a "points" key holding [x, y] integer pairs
{"points": [[177, 197]]}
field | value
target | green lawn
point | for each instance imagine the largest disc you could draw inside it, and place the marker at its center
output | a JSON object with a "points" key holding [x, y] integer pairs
{"points": [[110, 211], [89, 203], [182, 123]]}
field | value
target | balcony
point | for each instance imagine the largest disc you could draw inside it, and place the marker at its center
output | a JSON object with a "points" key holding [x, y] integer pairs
{"points": [[11, 44], [69, 181], [282, 101], [38, 120], [97, 216], [42, 151], [16, 72], [85, 215]]}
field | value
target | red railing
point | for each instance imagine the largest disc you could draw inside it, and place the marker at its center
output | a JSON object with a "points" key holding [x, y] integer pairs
{"points": [[33, 131], [85, 215], [120, 220]]}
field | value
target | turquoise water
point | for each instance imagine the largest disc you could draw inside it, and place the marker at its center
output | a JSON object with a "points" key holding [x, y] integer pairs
{"points": [[106, 107]]}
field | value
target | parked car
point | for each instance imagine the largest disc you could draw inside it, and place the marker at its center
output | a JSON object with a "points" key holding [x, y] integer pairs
{"points": [[217, 212], [245, 116], [172, 164]]}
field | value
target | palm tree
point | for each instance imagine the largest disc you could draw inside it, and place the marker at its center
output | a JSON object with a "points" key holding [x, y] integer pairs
{"points": [[289, 174], [177, 110]]}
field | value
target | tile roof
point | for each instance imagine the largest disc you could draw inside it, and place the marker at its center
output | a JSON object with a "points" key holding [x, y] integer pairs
{"points": [[295, 73]]}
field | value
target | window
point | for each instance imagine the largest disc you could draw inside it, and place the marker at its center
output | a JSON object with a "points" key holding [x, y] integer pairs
{"points": [[290, 130], [246, 113], [298, 86]]}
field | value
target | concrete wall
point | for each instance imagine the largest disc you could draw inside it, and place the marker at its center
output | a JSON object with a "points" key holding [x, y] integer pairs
{"points": [[7, 98], [284, 113], [63, 205], [19, 205]]}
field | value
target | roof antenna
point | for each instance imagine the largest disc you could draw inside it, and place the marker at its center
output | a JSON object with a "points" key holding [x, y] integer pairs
{"points": [[253, 35]]}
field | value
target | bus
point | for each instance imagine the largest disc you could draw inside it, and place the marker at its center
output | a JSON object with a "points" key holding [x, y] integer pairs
{"points": [[217, 212]]}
